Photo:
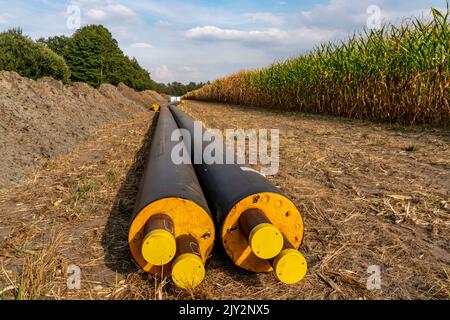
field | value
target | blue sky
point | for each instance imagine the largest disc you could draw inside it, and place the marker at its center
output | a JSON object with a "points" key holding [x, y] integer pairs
{"points": [[202, 40]]}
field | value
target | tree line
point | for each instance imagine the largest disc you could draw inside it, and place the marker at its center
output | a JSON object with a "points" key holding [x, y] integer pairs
{"points": [[90, 55], [178, 89]]}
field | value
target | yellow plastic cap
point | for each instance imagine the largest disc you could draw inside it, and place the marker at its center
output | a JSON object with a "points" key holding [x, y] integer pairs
{"points": [[188, 271], [159, 247], [290, 266], [266, 241]]}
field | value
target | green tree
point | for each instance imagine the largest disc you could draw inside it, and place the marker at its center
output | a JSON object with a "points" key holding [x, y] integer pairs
{"points": [[94, 57], [86, 54], [177, 88], [57, 43], [30, 59]]}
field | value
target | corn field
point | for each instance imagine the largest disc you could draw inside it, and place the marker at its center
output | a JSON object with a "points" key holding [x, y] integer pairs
{"points": [[399, 74]]}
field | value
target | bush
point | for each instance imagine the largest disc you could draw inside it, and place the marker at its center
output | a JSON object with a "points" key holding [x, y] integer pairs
{"points": [[29, 59]]}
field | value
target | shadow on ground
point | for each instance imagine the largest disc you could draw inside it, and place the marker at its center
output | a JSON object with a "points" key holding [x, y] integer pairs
{"points": [[221, 263], [115, 236]]}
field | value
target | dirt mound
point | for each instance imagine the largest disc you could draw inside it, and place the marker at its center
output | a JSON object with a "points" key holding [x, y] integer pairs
{"points": [[41, 119], [133, 95], [153, 96], [112, 93]]}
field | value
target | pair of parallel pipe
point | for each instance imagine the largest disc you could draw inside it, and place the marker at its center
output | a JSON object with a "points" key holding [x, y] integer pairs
{"points": [[173, 229]]}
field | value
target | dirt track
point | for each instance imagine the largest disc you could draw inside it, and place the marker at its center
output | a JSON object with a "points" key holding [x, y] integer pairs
{"points": [[370, 195]]}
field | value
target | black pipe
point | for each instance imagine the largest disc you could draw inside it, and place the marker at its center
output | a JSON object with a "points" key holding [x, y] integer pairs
{"points": [[162, 178], [224, 184], [231, 190], [170, 203]]}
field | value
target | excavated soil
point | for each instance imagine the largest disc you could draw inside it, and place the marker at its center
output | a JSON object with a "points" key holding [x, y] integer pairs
{"points": [[42, 119]]}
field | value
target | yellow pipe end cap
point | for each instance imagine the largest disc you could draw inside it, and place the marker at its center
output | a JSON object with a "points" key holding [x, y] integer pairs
{"points": [[266, 241], [188, 271], [159, 247], [290, 266]]}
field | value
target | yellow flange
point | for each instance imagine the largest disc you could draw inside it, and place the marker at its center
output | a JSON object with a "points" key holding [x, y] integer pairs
{"points": [[159, 247], [281, 212], [290, 266], [266, 241], [188, 218], [188, 271]]}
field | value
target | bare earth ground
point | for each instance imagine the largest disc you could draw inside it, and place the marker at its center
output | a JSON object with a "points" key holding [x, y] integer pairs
{"points": [[47, 118], [370, 194]]}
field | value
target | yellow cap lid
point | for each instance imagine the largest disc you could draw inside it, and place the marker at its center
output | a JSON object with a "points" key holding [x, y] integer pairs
{"points": [[290, 266], [266, 241], [159, 247], [188, 271]]}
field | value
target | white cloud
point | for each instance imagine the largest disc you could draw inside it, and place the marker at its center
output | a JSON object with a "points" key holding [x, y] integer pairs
{"points": [[397, 17], [337, 13], [162, 73], [141, 45], [294, 39], [120, 10], [163, 23], [96, 14], [352, 15], [190, 12], [216, 33], [266, 17], [4, 19], [193, 73], [109, 12]]}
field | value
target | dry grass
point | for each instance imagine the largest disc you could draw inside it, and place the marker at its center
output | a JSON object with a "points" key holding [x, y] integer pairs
{"points": [[87, 196], [39, 272], [364, 198]]}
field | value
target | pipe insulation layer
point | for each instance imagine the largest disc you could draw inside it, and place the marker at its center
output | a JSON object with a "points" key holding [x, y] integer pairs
{"points": [[171, 214], [256, 221]]}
